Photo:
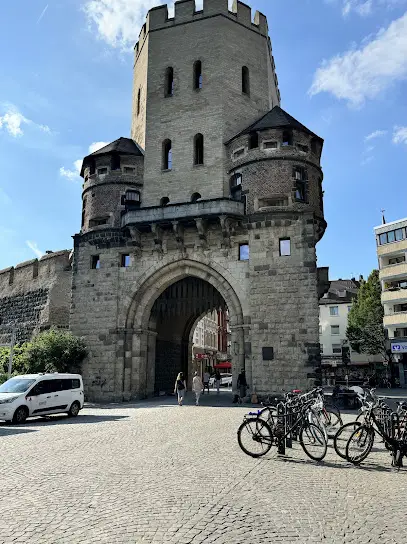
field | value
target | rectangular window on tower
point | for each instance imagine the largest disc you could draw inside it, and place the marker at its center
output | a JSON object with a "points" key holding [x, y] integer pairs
{"points": [[125, 260], [300, 176], [95, 262]]}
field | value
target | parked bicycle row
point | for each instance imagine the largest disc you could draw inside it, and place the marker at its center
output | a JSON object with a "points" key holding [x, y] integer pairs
{"points": [[312, 419]]}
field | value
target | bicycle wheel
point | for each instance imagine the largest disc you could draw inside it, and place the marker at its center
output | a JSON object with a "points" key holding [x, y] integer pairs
{"points": [[313, 441], [360, 444], [255, 437], [332, 421], [342, 436], [317, 419]]}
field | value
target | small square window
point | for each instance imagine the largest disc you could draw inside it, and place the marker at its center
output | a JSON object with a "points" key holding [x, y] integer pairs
{"points": [[336, 349], [102, 171], [285, 247], [334, 329], [95, 262], [129, 170], [334, 310], [270, 145], [125, 261], [244, 252], [399, 234]]}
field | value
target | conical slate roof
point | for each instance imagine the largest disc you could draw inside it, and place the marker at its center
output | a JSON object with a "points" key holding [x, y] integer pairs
{"points": [[124, 146], [275, 118]]}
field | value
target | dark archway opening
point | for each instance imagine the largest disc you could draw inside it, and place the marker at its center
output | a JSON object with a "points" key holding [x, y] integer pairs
{"points": [[174, 317]]}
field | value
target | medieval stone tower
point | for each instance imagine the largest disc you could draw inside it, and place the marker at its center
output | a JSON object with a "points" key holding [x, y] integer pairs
{"points": [[216, 201]]}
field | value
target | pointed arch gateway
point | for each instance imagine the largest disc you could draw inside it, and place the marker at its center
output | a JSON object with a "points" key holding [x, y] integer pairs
{"points": [[160, 322]]}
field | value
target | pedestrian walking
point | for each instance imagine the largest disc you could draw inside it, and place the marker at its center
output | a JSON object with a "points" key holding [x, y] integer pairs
{"points": [[206, 379], [197, 387], [242, 384], [180, 388], [217, 381]]}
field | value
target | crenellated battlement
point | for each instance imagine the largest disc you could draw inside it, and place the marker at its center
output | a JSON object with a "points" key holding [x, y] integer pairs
{"points": [[27, 272], [185, 12]]}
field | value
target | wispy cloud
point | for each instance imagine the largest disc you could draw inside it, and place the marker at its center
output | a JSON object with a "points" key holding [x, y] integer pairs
{"points": [[363, 73], [376, 134], [42, 14], [13, 121], [400, 135], [363, 8], [73, 173], [34, 248]]}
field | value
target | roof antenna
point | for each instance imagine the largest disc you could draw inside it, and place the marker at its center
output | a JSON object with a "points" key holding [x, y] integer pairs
{"points": [[383, 218]]}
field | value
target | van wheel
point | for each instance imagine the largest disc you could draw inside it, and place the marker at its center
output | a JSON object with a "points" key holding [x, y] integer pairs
{"points": [[74, 409], [20, 415]]}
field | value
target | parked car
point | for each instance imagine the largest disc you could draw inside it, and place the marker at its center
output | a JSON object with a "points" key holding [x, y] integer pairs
{"points": [[33, 395], [225, 380]]}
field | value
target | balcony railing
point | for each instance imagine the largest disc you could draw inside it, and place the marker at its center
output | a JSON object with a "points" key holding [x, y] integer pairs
{"points": [[395, 319], [396, 294], [393, 271]]}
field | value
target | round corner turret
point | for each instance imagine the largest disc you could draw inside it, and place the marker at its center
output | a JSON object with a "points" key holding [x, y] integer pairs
{"points": [[113, 184]]}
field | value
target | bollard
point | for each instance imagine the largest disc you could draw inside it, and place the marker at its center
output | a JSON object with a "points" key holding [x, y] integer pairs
{"points": [[280, 429]]}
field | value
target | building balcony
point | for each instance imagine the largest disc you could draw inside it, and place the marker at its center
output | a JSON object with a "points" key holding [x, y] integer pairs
{"points": [[398, 270], [393, 248], [184, 212], [396, 296], [396, 319]]}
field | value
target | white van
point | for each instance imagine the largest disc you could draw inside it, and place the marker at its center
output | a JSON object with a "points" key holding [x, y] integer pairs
{"points": [[40, 394]]}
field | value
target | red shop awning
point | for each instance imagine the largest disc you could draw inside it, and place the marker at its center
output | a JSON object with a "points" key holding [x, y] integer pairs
{"points": [[224, 366]]}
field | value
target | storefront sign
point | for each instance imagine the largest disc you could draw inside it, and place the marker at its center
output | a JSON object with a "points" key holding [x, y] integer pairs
{"points": [[201, 356], [400, 347]]}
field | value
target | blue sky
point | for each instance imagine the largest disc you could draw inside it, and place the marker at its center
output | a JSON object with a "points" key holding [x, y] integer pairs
{"points": [[65, 88]]}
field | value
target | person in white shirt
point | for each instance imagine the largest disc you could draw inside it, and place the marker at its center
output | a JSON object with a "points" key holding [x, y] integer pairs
{"points": [[197, 387], [206, 379]]}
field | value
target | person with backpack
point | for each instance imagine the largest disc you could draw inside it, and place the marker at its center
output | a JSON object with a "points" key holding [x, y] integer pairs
{"points": [[180, 388]]}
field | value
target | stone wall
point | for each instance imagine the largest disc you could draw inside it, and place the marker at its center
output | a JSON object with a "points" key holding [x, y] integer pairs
{"points": [[35, 295]]}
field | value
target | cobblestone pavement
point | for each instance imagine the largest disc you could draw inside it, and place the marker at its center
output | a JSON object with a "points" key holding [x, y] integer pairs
{"points": [[159, 473]]}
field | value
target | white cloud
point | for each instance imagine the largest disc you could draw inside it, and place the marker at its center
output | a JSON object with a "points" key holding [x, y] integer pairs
{"points": [[74, 173], [34, 248], [365, 7], [363, 73], [400, 135], [13, 121], [375, 134]]}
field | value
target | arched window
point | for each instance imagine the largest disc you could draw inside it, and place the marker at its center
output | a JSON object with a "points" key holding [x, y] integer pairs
{"points": [[167, 155], [164, 201], [195, 197], [138, 101], [245, 80], [287, 137], [169, 81], [198, 75], [198, 149]]}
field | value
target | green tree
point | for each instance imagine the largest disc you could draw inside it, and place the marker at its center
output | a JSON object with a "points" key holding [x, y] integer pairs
{"points": [[19, 365], [365, 330], [55, 351]]}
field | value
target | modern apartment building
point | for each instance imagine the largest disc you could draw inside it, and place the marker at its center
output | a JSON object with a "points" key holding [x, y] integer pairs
{"points": [[391, 239], [334, 308]]}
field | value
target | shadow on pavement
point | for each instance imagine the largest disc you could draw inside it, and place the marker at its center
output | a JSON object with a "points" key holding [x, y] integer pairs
{"points": [[369, 467], [60, 419], [6, 430]]}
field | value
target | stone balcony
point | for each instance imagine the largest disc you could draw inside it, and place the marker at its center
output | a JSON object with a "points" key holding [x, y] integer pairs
{"points": [[398, 270], [393, 248], [184, 212]]}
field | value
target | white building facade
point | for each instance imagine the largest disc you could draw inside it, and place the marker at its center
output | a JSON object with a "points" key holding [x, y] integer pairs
{"points": [[391, 240]]}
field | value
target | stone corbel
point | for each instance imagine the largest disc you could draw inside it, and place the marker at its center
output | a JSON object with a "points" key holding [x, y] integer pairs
{"points": [[178, 231], [225, 225], [135, 235], [157, 237], [202, 229]]}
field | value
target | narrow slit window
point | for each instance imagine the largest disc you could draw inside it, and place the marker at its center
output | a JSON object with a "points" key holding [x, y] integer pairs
{"points": [[198, 149], [287, 138], [115, 161], [169, 81], [167, 155], [236, 186], [301, 180], [95, 262], [285, 247], [198, 75], [138, 101], [245, 80]]}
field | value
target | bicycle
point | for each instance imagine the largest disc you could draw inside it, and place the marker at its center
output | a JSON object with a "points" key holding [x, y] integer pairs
{"points": [[256, 437]]}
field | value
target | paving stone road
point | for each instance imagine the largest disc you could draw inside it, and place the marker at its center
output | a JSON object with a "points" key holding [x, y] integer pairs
{"points": [[159, 473]]}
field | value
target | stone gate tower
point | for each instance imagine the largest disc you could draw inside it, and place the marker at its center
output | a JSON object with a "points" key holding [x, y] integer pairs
{"points": [[215, 201]]}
